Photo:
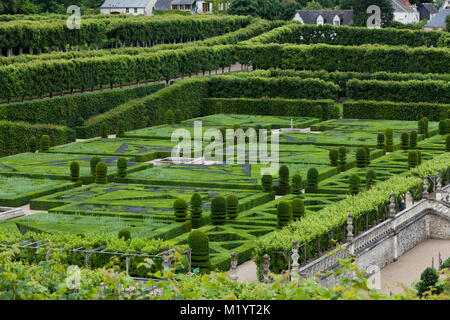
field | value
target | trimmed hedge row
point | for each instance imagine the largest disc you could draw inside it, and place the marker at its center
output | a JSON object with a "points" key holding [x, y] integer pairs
{"points": [[387, 110], [341, 78], [407, 91], [286, 87], [269, 106], [185, 98], [365, 58], [348, 36], [14, 136], [68, 109]]}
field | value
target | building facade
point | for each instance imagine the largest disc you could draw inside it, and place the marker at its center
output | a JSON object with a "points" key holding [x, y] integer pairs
{"points": [[317, 17]]}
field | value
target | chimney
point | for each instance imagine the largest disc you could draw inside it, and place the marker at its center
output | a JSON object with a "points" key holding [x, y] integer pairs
{"points": [[407, 4]]}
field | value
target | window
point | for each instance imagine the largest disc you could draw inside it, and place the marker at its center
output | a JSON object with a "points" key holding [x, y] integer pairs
{"points": [[127, 10], [135, 10], [206, 7], [174, 7], [221, 6], [187, 7], [319, 20], [336, 20]]}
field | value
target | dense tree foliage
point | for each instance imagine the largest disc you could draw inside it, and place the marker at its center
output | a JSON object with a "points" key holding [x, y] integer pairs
{"points": [[360, 6]]}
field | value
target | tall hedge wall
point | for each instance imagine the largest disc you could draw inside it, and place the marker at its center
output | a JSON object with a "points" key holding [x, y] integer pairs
{"points": [[185, 98], [14, 136], [407, 91], [348, 36], [365, 58], [286, 87], [70, 108], [386, 110], [270, 106]]}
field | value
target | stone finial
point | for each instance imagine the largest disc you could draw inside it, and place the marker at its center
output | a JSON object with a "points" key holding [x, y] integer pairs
{"points": [[425, 188], [233, 269], [350, 228], [439, 180], [392, 205], [266, 268], [166, 259], [295, 265]]}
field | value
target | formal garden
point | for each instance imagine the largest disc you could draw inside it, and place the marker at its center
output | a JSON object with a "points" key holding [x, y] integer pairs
{"points": [[86, 142]]}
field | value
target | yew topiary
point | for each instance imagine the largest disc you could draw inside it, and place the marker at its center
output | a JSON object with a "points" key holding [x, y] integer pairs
{"points": [[443, 127], [361, 160], [266, 183], [284, 214], [283, 187], [447, 143], [122, 165], [312, 180], [370, 179], [180, 210], [413, 159], [413, 139], [170, 117], [93, 163], [404, 145], [232, 206], [218, 210], [334, 157], [298, 209], [199, 244], [100, 173], [297, 185], [380, 141], [44, 143], [342, 159], [74, 171], [366, 148], [389, 140], [428, 284], [419, 157], [354, 182], [196, 210], [32, 144], [124, 234]]}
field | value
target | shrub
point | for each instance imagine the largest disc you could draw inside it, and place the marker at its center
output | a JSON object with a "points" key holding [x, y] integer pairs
{"points": [[413, 139], [312, 180], [180, 210], [170, 117], [354, 182], [283, 187], [298, 209], [423, 127], [361, 155], [266, 182], [74, 171], [122, 165], [389, 140], [334, 157], [196, 210], [404, 141], [370, 179], [446, 264], [342, 158], [32, 143], [368, 158], [380, 141], [100, 173], [218, 210], [428, 283], [44, 143], [296, 184], [80, 122], [104, 130], [232, 206], [93, 163], [124, 234], [413, 160], [284, 213], [447, 143], [419, 157], [199, 244], [120, 129], [218, 108]]}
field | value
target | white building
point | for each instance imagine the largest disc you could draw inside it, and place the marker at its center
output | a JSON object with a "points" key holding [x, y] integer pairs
{"points": [[134, 7], [405, 12]]}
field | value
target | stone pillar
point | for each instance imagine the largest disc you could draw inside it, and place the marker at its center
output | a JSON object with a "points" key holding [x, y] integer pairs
{"points": [[392, 210], [350, 234], [266, 268], [233, 269], [425, 194], [439, 185]]}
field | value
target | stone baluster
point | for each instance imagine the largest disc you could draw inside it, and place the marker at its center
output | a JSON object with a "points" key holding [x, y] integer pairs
{"points": [[350, 233], [439, 185], [266, 268], [295, 266], [166, 259], [233, 269], [127, 263], [425, 188], [392, 210]]}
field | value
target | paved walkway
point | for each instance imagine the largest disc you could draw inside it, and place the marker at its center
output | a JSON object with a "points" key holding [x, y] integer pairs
{"points": [[408, 268]]}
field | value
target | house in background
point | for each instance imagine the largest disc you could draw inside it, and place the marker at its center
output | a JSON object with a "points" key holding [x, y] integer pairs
{"points": [[317, 17], [404, 12], [438, 22], [134, 7], [427, 11]]}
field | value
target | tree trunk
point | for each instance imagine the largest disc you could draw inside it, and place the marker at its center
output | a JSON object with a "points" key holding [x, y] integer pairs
{"points": [[30, 51], [20, 51]]}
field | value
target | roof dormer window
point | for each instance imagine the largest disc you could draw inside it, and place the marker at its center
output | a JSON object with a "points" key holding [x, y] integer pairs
{"points": [[336, 20], [320, 20]]}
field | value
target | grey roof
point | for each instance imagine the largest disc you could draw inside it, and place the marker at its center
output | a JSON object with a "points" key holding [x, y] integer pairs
{"points": [[178, 2], [163, 5], [430, 7], [125, 4], [438, 20], [400, 6], [310, 16]]}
